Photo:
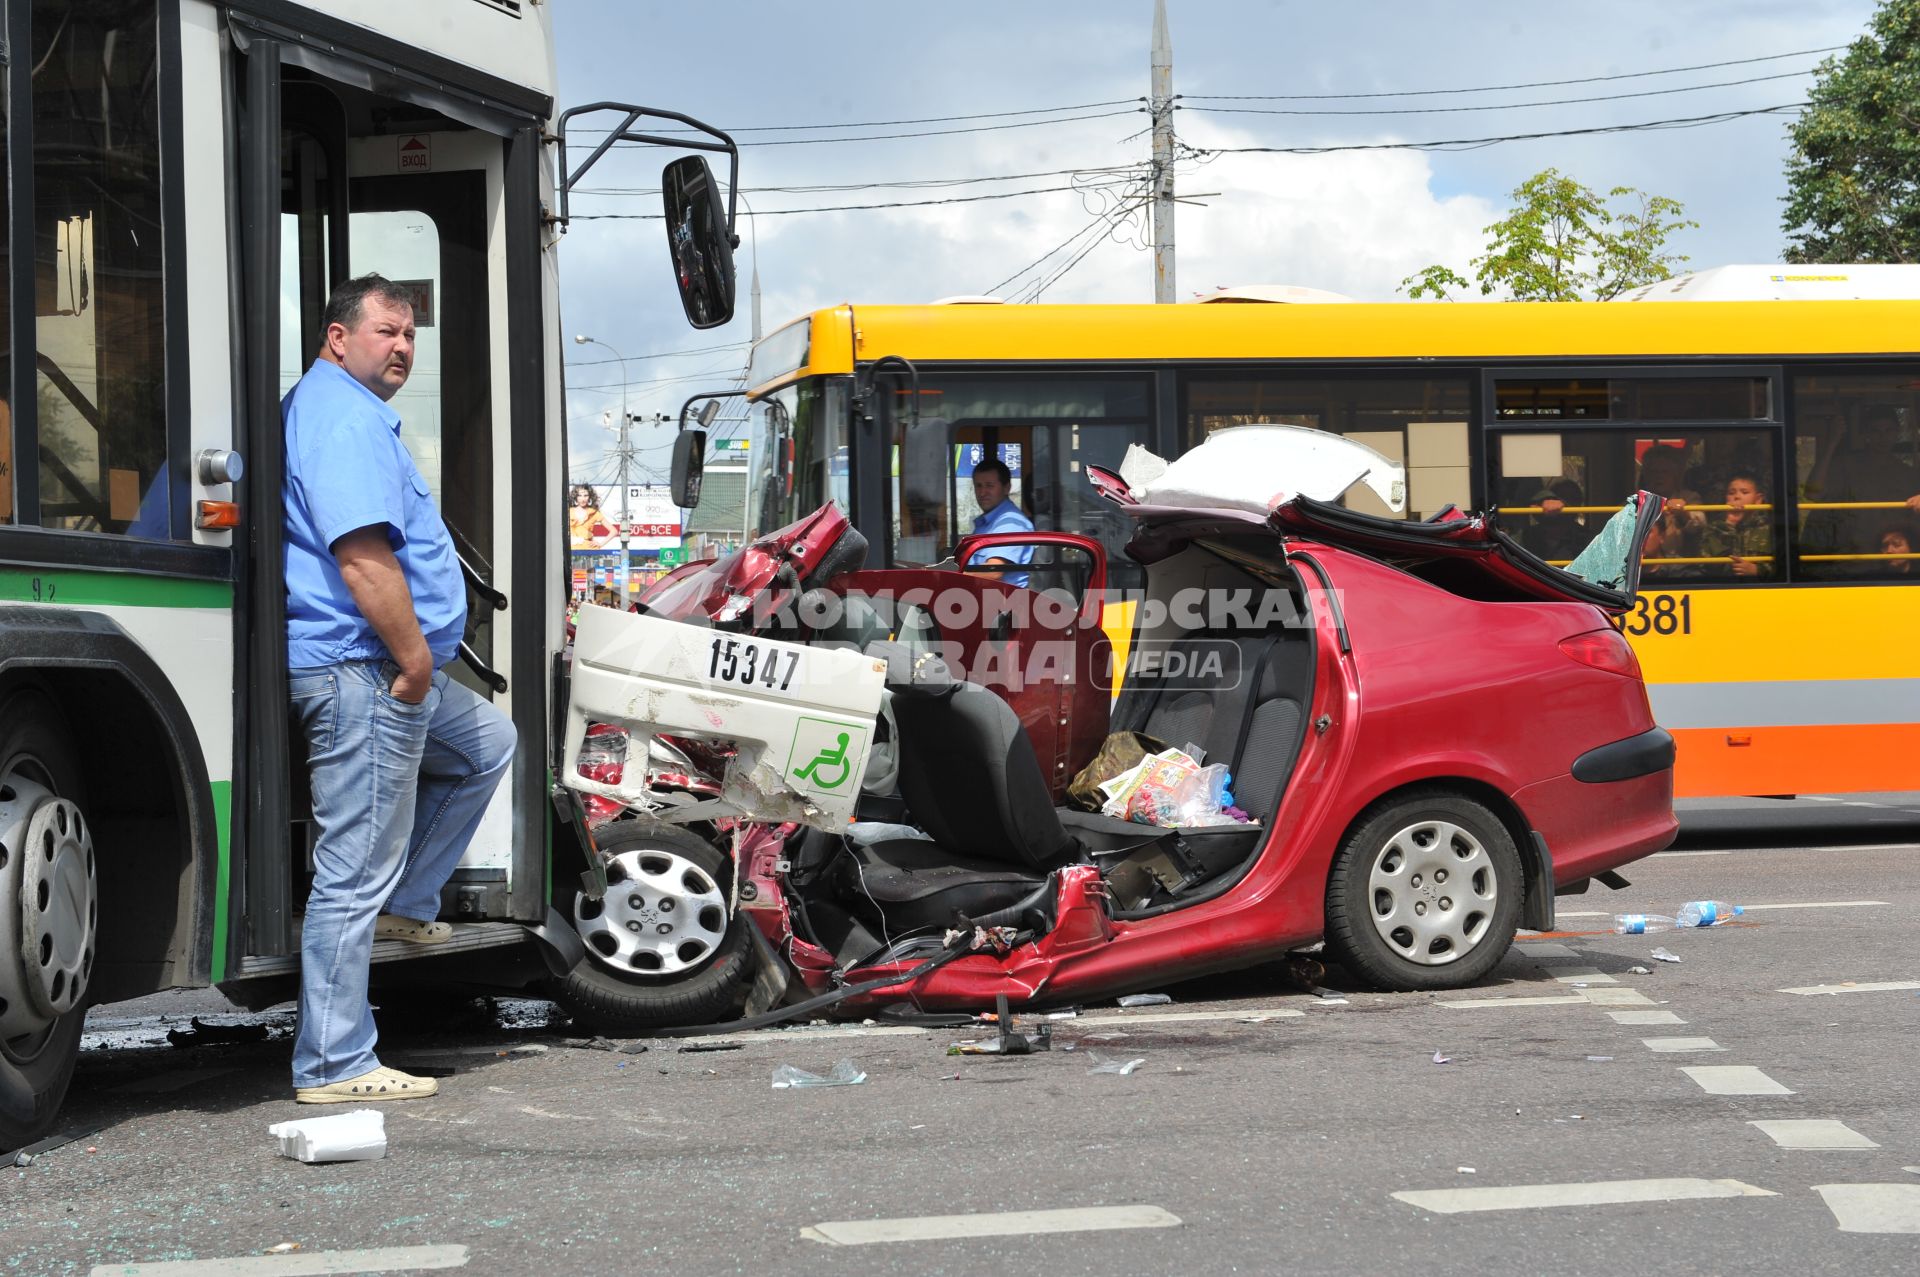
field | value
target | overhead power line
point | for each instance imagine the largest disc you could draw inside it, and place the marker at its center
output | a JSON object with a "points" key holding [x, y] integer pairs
{"points": [[663, 354], [912, 183], [1474, 143], [1490, 106], [843, 208], [887, 124], [1502, 88], [882, 137]]}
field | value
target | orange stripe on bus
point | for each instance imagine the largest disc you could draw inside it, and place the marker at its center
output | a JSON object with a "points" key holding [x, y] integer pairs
{"points": [[1827, 759]]}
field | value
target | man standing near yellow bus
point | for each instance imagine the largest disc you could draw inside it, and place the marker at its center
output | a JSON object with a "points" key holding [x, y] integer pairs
{"points": [[403, 760]]}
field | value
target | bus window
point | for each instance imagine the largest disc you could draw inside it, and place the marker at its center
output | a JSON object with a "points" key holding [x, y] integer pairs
{"points": [[99, 335], [1419, 422], [796, 459], [1557, 489], [1857, 457], [1634, 399], [1045, 429]]}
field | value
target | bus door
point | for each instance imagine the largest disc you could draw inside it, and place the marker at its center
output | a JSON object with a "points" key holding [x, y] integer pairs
{"points": [[367, 183]]}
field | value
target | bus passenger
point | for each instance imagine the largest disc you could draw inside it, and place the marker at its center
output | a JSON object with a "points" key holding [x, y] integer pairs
{"points": [[1555, 535], [1663, 469], [403, 760], [1741, 536], [992, 488], [1897, 538]]}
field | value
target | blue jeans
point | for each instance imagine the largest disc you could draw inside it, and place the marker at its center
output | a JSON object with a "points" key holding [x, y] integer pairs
{"points": [[398, 790]]}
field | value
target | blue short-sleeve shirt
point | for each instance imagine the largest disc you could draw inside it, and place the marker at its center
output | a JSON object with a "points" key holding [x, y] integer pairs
{"points": [[346, 469], [1005, 517]]}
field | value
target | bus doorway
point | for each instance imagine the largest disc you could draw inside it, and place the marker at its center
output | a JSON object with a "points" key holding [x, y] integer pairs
{"points": [[374, 184]]}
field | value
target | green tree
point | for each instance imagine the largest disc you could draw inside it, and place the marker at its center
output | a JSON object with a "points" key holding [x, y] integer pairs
{"points": [[1853, 179], [1562, 242]]}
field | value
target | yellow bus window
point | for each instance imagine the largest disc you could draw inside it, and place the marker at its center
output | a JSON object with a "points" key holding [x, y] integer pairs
{"points": [[1857, 454], [1420, 422], [1556, 489]]}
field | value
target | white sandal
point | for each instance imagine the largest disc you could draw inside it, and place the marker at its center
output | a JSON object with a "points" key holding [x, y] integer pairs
{"points": [[391, 926], [377, 1084]]}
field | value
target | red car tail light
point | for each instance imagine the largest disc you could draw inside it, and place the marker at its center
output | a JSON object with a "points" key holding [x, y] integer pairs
{"points": [[1603, 650]]}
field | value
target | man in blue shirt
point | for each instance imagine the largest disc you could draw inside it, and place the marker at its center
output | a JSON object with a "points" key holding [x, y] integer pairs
{"points": [[992, 488], [403, 761]]}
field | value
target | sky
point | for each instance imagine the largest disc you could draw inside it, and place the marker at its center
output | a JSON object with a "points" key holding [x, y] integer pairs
{"points": [[1355, 222]]}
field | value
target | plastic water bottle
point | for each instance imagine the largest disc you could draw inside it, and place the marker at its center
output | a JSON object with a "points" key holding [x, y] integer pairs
{"points": [[1706, 913], [1642, 924]]}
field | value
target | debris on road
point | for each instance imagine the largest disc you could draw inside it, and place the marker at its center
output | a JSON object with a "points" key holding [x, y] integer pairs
{"points": [[695, 1048], [1639, 970], [634, 1048], [844, 1073], [284, 1248], [1101, 1064], [25, 1156], [591, 1044], [1146, 1000], [1665, 955], [359, 1136], [203, 1034], [1599, 1059], [1442, 1059], [1706, 913]]}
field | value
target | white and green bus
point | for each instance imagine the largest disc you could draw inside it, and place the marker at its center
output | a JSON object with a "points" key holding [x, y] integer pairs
{"points": [[185, 181]]}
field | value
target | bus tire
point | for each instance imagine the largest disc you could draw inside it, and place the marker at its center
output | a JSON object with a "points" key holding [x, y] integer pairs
{"points": [[1424, 892], [43, 1004], [612, 992]]}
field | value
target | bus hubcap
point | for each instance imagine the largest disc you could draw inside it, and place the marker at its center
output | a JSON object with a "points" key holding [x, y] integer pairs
{"points": [[49, 906]]}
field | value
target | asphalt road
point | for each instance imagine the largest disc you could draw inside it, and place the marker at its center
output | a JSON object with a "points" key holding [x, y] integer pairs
{"points": [[1266, 1131]]}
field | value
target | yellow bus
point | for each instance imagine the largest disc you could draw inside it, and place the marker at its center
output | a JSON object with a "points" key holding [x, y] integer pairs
{"points": [[1778, 615]]}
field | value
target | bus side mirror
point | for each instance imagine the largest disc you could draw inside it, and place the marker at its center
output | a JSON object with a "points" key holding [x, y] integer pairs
{"points": [[689, 465], [698, 242]]}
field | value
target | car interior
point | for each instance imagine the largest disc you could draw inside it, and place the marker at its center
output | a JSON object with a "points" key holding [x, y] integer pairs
{"points": [[972, 830]]}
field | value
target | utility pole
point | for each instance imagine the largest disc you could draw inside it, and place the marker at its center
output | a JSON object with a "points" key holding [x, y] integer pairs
{"points": [[1160, 102]]}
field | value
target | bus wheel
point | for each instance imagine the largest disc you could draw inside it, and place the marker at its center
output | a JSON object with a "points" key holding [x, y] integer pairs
{"points": [[662, 949], [49, 916]]}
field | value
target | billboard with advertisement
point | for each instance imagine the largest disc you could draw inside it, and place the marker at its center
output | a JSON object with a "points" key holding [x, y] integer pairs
{"points": [[653, 518], [593, 518]]}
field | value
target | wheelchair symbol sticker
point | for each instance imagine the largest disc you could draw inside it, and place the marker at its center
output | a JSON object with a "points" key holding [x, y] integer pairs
{"points": [[825, 754]]}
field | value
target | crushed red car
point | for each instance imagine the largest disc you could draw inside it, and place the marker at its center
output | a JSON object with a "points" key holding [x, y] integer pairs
{"points": [[843, 789]]}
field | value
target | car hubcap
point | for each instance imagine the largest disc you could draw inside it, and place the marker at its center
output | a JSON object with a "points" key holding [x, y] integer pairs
{"points": [[49, 907], [1433, 890], [662, 915]]}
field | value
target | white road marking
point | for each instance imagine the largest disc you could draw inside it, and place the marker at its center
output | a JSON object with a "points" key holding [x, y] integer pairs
{"points": [[1618, 998], [1883, 986], [1542, 949], [1813, 1133], [1585, 975], [1017, 1223], [1644, 1017], [1189, 1017], [1473, 1003], [1454, 1201], [1669, 1045], [1734, 1079], [1873, 1208], [384, 1259], [1797, 904]]}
